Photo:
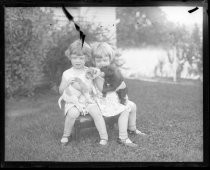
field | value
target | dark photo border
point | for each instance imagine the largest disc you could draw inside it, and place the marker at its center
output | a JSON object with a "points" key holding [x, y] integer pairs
{"points": [[57, 3]]}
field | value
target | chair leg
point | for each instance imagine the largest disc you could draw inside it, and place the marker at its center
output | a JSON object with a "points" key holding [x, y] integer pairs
{"points": [[78, 134], [74, 133], [111, 125], [77, 131]]}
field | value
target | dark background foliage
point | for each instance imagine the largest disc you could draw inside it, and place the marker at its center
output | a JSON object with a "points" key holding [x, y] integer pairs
{"points": [[34, 47]]}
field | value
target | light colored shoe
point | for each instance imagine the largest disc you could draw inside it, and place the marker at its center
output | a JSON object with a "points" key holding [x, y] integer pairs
{"points": [[64, 140], [126, 142], [103, 142], [136, 132]]}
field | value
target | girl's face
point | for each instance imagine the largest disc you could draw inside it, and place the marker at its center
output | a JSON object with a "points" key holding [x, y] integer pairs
{"points": [[103, 61], [78, 61]]}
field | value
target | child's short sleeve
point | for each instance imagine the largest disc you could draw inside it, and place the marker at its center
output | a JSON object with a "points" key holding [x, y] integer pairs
{"points": [[67, 75], [64, 77]]}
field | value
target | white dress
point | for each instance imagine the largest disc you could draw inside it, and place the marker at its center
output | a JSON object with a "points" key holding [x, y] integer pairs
{"points": [[71, 73], [110, 105]]}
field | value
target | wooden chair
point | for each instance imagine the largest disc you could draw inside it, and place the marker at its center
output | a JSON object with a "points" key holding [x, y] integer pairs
{"points": [[84, 122]]}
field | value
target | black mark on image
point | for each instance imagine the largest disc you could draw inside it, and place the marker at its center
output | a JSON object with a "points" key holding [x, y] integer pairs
{"points": [[192, 10], [70, 18]]}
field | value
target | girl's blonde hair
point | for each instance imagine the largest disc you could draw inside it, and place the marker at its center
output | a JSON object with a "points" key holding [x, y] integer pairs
{"points": [[100, 49], [77, 49]]}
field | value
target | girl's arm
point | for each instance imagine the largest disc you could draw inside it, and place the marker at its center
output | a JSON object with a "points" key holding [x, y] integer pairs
{"points": [[99, 82], [64, 84]]}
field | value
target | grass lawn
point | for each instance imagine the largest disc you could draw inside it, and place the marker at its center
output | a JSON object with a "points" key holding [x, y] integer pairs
{"points": [[170, 114]]}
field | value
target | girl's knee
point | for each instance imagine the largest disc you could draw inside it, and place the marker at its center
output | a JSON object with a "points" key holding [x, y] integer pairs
{"points": [[73, 113], [132, 105], [93, 108], [94, 111], [124, 113]]}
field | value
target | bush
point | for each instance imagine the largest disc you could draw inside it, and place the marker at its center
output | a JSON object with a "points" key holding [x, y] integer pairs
{"points": [[34, 50], [27, 40]]}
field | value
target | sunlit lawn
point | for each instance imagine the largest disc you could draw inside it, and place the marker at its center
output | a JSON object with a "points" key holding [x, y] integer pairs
{"points": [[170, 114]]}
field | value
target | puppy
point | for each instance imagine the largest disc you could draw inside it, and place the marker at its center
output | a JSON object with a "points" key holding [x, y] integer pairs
{"points": [[76, 92], [113, 79], [92, 73]]}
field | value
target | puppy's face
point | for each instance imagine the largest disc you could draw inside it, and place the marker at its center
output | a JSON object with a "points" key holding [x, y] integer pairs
{"points": [[108, 72]]}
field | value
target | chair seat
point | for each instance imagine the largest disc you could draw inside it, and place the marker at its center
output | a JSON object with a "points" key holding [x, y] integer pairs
{"points": [[84, 122], [87, 121], [85, 118]]}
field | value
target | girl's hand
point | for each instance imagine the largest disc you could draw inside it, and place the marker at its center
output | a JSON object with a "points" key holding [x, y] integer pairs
{"points": [[81, 86], [99, 82], [80, 109], [92, 73], [70, 81], [102, 74]]}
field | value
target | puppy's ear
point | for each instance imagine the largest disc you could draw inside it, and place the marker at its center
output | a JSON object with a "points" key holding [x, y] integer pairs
{"points": [[104, 69], [110, 71]]}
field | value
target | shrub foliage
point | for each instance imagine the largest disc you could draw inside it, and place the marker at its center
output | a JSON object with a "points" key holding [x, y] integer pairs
{"points": [[27, 40]]}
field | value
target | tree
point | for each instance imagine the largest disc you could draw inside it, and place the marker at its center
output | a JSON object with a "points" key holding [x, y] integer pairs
{"points": [[148, 26], [140, 26], [177, 42], [195, 50]]}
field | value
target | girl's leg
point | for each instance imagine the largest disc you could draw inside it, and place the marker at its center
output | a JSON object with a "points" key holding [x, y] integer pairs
{"points": [[123, 134], [132, 116], [132, 119], [70, 118], [95, 113], [123, 124]]}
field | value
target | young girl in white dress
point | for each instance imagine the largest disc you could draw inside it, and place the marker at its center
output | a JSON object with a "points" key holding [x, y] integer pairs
{"points": [[73, 108], [102, 55]]}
